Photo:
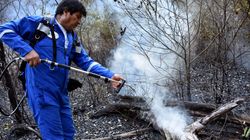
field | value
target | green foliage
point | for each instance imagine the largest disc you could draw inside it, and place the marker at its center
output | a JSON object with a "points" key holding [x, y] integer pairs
{"points": [[242, 6], [207, 32], [246, 133], [104, 27], [99, 34], [87, 2]]}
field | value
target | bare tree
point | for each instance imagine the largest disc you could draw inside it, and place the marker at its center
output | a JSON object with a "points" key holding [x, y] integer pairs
{"points": [[221, 44], [189, 30], [167, 28], [98, 34], [11, 84]]}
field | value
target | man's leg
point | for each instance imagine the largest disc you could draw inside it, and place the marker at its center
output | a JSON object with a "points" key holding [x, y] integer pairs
{"points": [[46, 114], [50, 124], [67, 123]]}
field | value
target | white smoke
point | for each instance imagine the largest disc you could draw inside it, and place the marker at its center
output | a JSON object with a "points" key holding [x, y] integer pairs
{"points": [[147, 70], [169, 118], [145, 80]]}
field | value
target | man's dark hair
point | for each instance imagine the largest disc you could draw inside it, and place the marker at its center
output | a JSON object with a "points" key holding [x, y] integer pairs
{"points": [[71, 6]]}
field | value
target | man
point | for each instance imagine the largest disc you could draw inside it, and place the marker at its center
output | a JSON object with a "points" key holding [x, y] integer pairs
{"points": [[46, 85]]}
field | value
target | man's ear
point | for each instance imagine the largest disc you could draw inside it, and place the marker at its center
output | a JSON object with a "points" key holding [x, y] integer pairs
{"points": [[65, 11]]}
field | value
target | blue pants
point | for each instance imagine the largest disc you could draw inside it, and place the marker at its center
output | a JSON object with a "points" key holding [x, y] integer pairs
{"points": [[52, 113]]}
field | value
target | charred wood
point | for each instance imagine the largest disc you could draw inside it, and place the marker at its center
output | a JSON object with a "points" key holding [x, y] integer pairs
{"points": [[21, 130], [129, 104], [200, 123], [207, 111], [201, 107], [124, 135]]}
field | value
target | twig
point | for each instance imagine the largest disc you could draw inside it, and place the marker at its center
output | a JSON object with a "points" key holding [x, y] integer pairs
{"points": [[123, 135]]}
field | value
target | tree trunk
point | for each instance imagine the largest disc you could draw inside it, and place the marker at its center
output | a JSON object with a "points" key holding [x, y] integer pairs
{"points": [[8, 83]]}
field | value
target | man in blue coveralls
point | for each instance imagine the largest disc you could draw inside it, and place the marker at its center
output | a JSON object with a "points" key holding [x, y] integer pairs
{"points": [[47, 87]]}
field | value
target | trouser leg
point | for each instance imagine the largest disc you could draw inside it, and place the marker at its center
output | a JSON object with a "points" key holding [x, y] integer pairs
{"points": [[47, 115], [50, 124], [67, 123]]}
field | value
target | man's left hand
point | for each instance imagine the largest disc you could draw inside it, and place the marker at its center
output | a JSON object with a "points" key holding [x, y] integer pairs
{"points": [[117, 78]]}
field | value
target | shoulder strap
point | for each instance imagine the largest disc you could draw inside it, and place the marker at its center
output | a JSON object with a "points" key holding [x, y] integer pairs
{"points": [[42, 30], [45, 27], [75, 40], [51, 26]]}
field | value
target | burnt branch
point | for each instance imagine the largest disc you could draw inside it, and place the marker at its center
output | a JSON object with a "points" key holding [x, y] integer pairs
{"points": [[125, 135], [208, 112]]}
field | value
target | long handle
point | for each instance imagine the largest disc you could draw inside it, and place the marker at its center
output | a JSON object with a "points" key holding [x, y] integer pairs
{"points": [[106, 79]]}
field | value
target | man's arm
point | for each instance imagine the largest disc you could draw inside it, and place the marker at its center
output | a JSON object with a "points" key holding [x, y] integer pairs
{"points": [[16, 33], [85, 62], [82, 60]]}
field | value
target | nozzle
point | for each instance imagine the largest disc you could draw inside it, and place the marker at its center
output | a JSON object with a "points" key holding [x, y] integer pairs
{"points": [[120, 86]]}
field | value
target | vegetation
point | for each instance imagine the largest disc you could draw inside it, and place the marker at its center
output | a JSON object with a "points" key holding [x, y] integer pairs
{"points": [[198, 33], [201, 46], [97, 33]]}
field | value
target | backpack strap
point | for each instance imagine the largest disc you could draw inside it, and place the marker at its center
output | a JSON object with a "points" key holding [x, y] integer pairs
{"points": [[52, 30], [44, 28], [76, 43]]}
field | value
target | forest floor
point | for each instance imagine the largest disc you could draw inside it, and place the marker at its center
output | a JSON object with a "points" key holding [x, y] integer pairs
{"points": [[107, 125], [87, 127], [113, 124]]}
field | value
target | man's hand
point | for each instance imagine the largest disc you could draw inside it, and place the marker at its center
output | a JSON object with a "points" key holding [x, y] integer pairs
{"points": [[32, 58], [116, 77]]}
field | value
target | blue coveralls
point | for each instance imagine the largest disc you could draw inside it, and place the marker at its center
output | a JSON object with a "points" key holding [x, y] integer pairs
{"points": [[47, 89]]}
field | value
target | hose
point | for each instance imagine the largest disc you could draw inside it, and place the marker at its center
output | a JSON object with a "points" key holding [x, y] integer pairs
{"points": [[23, 97]]}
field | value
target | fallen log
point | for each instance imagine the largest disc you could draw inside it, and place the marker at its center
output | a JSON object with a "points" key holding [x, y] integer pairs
{"points": [[123, 135], [119, 108], [138, 105], [186, 104], [200, 123], [194, 109], [201, 107]]}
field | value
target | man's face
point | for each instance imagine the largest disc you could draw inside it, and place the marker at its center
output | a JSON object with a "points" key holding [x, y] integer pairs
{"points": [[71, 20]]}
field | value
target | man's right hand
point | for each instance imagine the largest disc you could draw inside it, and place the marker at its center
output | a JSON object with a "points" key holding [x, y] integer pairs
{"points": [[32, 58]]}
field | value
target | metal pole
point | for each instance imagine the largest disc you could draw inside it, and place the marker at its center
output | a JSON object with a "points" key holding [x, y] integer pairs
{"points": [[106, 79]]}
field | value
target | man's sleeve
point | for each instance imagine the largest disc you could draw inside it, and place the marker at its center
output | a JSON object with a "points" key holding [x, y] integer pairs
{"points": [[85, 62], [16, 33]]}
